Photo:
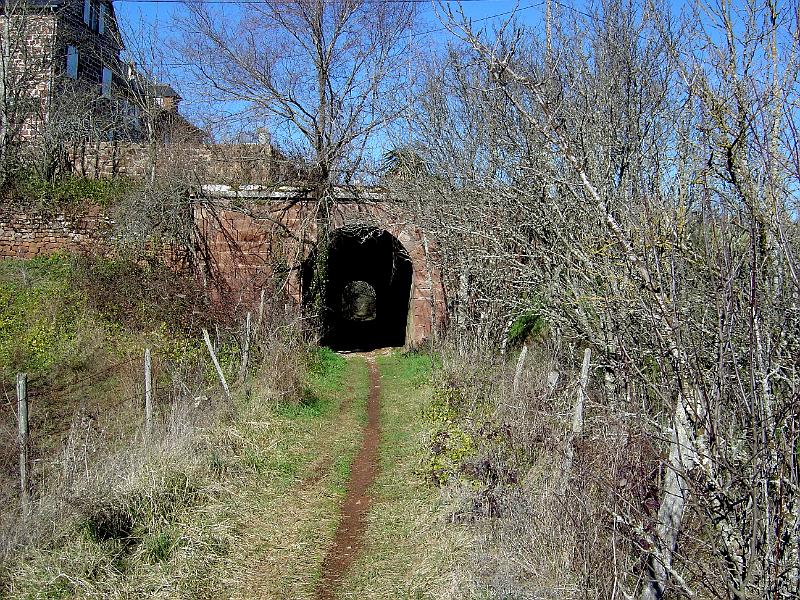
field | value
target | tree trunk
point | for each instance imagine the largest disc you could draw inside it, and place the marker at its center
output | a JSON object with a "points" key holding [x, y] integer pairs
{"points": [[674, 497]]}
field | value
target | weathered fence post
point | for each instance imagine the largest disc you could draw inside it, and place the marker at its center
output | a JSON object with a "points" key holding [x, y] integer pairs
{"points": [[23, 439], [245, 348], [520, 367], [577, 417], [260, 312], [580, 401], [220, 374], [148, 393]]}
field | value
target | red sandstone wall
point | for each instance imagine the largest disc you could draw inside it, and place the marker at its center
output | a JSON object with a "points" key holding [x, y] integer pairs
{"points": [[263, 247], [33, 37], [268, 243], [217, 163], [25, 234]]}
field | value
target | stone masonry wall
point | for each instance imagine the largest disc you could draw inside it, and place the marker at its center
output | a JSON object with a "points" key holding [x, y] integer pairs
{"points": [[246, 250], [217, 163], [29, 233], [268, 243], [30, 74]]}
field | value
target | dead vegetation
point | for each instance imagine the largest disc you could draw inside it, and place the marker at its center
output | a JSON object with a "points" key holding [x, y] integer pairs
{"points": [[117, 512], [536, 530], [629, 177]]}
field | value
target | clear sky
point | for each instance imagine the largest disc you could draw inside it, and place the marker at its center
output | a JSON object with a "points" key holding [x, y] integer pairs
{"points": [[161, 15]]}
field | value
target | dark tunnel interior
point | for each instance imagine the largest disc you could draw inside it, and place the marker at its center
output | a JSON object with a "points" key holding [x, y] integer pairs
{"points": [[367, 292]]}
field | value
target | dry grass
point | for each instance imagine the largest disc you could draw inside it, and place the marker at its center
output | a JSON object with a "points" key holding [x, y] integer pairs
{"points": [[285, 519], [118, 514], [535, 531], [115, 515]]}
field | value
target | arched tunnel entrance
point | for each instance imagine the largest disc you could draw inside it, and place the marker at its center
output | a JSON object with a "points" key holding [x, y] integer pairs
{"points": [[366, 292]]}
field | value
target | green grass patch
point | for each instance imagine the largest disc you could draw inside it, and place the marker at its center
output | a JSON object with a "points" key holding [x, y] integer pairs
{"points": [[327, 368], [286, 517], [158, 547], [416, 368], [327, 371], [41, 314], [70, 190]]}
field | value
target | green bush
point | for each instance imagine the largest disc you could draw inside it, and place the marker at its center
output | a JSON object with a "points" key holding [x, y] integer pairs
{"points": [[40, 314], [529, 324], [56, 310], [70, 190], [449, 444]]}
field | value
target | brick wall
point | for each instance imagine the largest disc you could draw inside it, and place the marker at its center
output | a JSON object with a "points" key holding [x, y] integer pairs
{"points": [[30, 233]]}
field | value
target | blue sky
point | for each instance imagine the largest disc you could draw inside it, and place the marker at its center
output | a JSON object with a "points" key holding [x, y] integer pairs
{"points": [[162, 13]]}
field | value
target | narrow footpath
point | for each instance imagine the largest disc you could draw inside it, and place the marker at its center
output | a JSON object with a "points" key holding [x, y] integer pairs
{"points": [[349, 536], [336, 506]]}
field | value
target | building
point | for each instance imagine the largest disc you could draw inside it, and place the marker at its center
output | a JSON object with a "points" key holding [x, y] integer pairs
{"points": [[55, 51], [63, 69], [170, 125]]}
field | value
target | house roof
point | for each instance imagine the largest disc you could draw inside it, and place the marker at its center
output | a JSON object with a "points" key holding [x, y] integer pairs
{"points": [[164, 90]]}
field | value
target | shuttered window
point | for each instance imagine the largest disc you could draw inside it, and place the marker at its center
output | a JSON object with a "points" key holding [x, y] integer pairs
{"points": [[105, 88], [72, 62]]}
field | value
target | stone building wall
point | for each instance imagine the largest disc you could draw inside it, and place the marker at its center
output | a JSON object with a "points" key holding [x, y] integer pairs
{"points": [[30, 76], [40, 34]]}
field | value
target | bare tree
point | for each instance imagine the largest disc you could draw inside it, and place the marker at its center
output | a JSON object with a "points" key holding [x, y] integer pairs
{"points": [[632, 179], [327, 74]]}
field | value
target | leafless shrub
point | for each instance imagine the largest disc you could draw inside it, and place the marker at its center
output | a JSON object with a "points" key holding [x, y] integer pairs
{"points": [[540, 532], [628, 179]]}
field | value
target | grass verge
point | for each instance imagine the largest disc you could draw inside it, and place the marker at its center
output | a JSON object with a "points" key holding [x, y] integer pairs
{"points": [[185, 511]]}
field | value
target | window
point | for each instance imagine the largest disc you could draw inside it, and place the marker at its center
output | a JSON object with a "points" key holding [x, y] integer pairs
{"points": [[94, 15], [105, 87], [72, 62]]}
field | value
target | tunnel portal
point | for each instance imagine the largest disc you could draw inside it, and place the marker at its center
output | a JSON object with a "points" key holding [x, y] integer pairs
{"points": [[367, 290]]}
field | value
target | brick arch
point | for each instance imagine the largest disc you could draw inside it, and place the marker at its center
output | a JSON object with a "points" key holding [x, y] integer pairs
{"points": [[254, 240]]}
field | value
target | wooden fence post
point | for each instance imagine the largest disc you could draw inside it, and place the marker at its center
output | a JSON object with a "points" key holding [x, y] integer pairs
{"points": [[245, 348], [23, 439], [220, 374], [260, 313], [580, 400], [577, 418], [148, 393], [520, 367]]}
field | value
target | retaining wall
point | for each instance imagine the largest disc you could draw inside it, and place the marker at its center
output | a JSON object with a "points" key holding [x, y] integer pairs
{"points": [[26, 233]]}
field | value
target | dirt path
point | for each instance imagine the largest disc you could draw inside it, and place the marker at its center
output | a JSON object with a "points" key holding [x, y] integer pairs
{"points": [[350, 533]]}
